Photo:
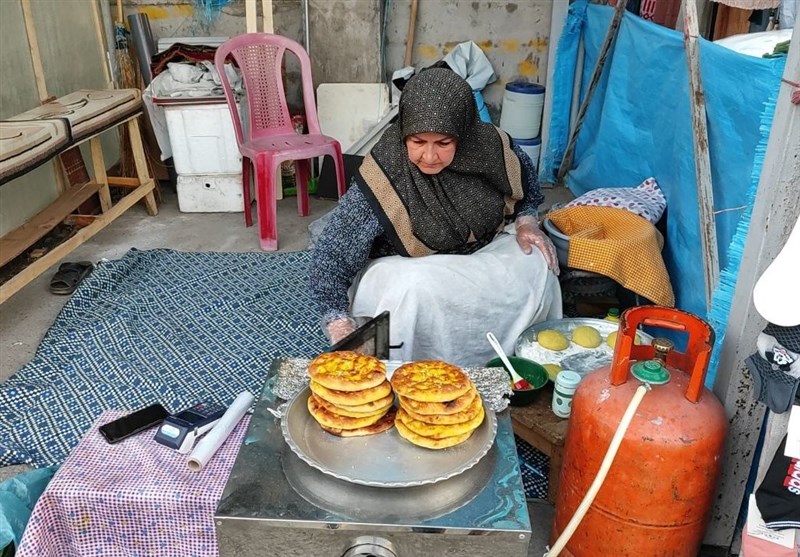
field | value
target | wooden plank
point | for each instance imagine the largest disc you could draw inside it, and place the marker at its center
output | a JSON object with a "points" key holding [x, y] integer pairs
{"points": [[775, 212], [20, 239], [124, 182], [251, 18], [32, 271], [702, 158], [100, 176], [266, 17], [412, 26], [731, 21]]}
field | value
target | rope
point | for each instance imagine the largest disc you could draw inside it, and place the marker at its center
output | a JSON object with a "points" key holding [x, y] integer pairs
{"points": [[795, 94]]}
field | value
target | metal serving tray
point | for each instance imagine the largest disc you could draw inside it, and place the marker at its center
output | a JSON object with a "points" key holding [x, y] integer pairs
{"points": [[382, 460], [575, 358]]}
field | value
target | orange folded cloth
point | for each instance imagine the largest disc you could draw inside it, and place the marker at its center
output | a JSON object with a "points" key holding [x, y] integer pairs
{"points": [[618, 244]]}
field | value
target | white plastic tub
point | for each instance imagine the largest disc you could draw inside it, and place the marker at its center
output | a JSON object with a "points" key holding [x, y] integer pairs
{"points": [[203, 140]]}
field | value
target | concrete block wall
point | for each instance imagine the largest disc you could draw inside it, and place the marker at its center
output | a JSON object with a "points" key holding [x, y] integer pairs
{"points": [[513, 35], [345, 34]]}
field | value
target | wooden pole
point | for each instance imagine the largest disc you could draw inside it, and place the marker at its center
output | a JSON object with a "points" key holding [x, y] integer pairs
{"points": [[702, 158], [36, 57], [41, 84], [775, 212], [250, 16], [611, 35], [412, 25], [101, 43], [266, 16]]}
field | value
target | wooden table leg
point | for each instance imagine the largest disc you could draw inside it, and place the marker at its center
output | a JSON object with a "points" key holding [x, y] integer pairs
{"points": [[555, 473], [141, 165], [100, 176]]}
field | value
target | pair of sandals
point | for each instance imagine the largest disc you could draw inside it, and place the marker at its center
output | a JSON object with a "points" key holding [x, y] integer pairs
{"points": [[69, 276]]}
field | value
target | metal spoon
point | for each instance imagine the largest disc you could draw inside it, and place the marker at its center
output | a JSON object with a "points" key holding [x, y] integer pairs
{"points": [[519, 383]]}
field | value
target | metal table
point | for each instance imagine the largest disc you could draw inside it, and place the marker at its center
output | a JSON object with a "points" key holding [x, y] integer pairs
{"points": [[275, 504]]}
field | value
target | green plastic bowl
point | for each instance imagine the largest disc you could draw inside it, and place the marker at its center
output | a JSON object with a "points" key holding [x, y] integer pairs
{"points": [[531, 372]]}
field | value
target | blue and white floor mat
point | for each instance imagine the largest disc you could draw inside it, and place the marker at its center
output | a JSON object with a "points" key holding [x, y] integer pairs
{"points": [[535, 468], [157, 325]]}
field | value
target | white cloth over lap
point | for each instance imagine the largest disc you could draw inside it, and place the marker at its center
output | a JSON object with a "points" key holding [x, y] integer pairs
{"points": [[442, 306]]}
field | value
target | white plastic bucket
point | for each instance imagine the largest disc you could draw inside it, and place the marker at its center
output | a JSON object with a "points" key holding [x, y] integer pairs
{"points": [[532, 148], [521, 115]]}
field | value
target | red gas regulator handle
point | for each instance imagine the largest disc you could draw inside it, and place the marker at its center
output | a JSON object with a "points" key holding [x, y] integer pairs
{"points": [[694, 361]]}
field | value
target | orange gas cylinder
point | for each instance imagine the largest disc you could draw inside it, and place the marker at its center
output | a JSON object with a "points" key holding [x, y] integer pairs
{"points": [[657, 497]]}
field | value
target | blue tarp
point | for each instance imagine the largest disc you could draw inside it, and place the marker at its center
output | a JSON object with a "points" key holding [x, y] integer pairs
{"points": [[18, 496], [639, 125]]}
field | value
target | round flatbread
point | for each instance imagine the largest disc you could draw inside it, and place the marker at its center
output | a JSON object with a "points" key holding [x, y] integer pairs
{"points": [[470, 413], [455, 406], [329, 419], [363, 411], [351, 398], [439, 431], [426, 442], [430, 381], [384, 424], [347, 371]]}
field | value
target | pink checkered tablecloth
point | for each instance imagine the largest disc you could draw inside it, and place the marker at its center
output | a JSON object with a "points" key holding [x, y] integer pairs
{"points": [[132, 499]]}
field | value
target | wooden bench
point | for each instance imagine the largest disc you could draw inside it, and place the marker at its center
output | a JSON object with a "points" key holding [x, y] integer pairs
{"points": [[87, 114], [544, 431]]}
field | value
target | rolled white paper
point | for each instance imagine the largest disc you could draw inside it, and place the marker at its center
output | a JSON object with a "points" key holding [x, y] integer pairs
{"points": [[214, 439]]}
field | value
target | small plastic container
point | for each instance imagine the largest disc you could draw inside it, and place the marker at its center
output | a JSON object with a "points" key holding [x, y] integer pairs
{"points": [[612, 315], [521, 113], [532, 148], [566, 383]]}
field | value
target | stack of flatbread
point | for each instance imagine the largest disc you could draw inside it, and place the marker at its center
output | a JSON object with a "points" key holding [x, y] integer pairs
{"points": [[350, 394], [439, 405]]}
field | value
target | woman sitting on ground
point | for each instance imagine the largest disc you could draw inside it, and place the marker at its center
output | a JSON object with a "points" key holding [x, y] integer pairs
{"points": [[425, 231]]}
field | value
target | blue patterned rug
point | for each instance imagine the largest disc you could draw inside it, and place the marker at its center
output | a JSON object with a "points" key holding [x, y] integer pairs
{"points": [[172, 327]]}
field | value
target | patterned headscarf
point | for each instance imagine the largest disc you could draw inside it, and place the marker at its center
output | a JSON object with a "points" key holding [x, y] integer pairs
{"points": [[463, 206]]}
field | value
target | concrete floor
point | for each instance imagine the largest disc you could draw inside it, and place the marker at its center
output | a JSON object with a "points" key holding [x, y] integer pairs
{"points": [[26, 317]]}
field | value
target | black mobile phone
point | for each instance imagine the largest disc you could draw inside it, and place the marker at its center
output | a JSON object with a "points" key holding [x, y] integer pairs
{"points": [[124, 427]]}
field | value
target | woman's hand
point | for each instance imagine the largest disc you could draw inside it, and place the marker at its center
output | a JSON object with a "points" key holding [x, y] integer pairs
{"points": [[340, 328], [529, 235]]}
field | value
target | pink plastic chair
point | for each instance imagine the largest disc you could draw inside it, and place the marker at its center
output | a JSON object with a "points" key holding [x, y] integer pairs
{"points": [[270, 138]]}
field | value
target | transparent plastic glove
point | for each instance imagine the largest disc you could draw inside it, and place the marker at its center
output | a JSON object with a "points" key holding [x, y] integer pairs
{"points": [[529, 235], [340, 328]]}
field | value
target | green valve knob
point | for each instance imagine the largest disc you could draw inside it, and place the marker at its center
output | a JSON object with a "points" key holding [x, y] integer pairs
{"points": [[651, 372]]}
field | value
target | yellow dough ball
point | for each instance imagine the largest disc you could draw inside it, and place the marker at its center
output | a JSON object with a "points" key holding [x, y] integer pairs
{"points": [[552, 340], [612, 339], [586, 336], [552, 371]]}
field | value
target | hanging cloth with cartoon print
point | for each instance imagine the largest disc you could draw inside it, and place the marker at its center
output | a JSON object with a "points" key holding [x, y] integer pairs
{"points": [[776, 367]]}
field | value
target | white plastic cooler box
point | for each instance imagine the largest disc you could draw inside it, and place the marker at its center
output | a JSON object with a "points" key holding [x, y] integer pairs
{"points": [[206, 158], [210, 193], [203, 140]]}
